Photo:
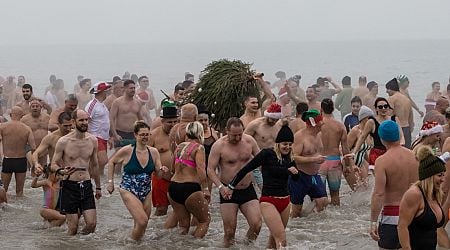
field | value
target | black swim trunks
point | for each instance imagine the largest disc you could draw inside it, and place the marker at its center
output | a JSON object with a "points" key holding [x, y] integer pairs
{"points": [[127, 139], [75, 197], [14, 165], [388, 236], [241, 196]]}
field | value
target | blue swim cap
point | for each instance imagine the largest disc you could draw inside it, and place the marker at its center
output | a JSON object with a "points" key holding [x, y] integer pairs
{"points": [[388, 131]]}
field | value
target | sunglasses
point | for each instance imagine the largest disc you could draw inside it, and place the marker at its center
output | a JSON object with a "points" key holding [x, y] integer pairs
{"points": [[385, 106]]}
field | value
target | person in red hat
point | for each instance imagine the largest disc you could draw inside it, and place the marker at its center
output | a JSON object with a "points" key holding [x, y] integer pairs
{"points": [[265, 130], [99, 123]]}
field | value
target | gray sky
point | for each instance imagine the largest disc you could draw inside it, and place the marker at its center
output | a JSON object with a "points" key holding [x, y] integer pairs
{"points": [[144, 21]]}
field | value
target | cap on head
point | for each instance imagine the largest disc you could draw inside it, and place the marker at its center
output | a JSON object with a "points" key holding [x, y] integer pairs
{"points": [[402, 79], [312, 117], [285, 135], [389, 131], [365, 112], [393, 85], [99, 87], [429, 164], [273, 111]]}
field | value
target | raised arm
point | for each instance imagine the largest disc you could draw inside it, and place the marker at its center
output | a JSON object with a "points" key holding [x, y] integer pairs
{"points": [[337, 88], [370, 124]]}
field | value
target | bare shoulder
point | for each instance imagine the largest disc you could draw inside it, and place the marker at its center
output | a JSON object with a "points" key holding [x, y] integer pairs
{"points": [[248, 139], [153, 150]]}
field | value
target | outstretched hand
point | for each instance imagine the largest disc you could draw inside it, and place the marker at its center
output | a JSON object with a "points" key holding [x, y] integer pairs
{"points": [[226, 193]]}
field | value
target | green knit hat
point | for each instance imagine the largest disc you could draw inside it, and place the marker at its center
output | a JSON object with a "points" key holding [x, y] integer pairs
{"points": [[429, 164]]}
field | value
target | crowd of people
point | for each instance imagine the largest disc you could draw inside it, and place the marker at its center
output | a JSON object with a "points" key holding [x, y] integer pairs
{"points": [[286, 148]]}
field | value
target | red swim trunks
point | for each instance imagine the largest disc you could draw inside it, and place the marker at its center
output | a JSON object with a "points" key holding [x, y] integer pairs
{"points": [[102, 144], [374, 154], [159, 191]]}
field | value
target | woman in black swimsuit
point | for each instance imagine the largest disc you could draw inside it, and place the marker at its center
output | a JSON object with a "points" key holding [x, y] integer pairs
{"points": [[421, 213], [211, 135]]}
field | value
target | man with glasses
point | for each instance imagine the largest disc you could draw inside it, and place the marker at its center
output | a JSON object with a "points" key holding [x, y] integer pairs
{"points": [[401, 105]]}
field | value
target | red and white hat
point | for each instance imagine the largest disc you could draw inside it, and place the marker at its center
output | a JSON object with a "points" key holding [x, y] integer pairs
{"points": [[273, 111], [282, 92], [99, 87]]}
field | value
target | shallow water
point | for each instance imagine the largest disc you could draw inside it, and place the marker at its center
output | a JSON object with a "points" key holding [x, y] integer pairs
{"points": [[22, 227]]}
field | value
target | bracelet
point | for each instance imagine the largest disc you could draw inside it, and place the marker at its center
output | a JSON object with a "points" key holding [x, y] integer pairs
{"points": [[230, 186], [99, 189], [58, 172], [220, 186]]}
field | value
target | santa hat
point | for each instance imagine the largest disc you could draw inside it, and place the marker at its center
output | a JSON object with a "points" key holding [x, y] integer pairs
{"points": [[429, 128], [273, 111]]}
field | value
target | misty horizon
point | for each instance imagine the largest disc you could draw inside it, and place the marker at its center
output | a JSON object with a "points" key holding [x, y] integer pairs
{"points": [[155, 22]]}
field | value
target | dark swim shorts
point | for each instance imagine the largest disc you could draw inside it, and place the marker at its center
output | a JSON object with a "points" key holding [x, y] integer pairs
{"points": [[75, 197], [14, 165], [306, 184]]}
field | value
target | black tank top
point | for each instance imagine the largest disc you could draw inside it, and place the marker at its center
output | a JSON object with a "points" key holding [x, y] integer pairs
{"points": [[207, 144], [422, 230], [376, 138]]}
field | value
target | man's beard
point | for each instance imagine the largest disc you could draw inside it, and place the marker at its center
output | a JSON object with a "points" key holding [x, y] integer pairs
{"points": [[26, 97], [82, 128]]}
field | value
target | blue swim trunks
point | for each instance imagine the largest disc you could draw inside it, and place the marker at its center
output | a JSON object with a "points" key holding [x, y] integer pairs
{"points": [[306, 184], [138, 184]]}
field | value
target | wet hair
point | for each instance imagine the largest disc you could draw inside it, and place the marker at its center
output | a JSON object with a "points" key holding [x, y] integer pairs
{"points": [[84, 82], [321, 81], [346, 80], [187, 76], [327, 106], [116, 78], [64, 116], [142, 78], [128, 82], [194, 130], [356, 99], [280, 74], [362, 79], [314, 87], [234, 121], [52, 78], [186, 84], [435, 83], [178, 87], [28, 86], [370, 85], [301, 107], [134, 77], [247, 98], [140, 124], [71, 97], [379, 99]]}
